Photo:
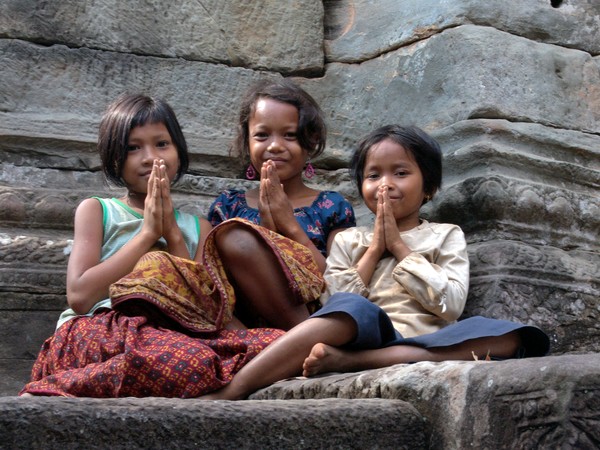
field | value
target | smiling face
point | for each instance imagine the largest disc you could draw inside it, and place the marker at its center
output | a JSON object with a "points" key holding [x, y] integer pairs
{"points": [[272, 131], [147, 143], [388, 163]]}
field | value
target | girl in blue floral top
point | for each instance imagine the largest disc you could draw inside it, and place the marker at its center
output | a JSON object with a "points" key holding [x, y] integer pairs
{"points": [[280, 129]]}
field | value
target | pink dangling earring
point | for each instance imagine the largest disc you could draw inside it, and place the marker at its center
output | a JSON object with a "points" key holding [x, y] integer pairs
{"points": [[309, 172], [250, 172]]}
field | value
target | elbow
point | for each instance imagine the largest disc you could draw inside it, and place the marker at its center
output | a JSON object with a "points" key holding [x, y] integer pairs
{"points": [[77, 303], [450, 308]]}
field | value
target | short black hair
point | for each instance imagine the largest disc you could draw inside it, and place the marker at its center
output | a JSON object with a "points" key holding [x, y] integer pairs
{"points": [[125, 113], [312, 131], [425, 150]]}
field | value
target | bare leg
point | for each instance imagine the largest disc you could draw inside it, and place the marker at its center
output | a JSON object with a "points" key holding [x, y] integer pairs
{"points": [[283, 358], [258, 278], [326, 358]]}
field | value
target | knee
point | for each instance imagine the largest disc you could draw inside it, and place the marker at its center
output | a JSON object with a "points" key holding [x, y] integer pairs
{"points": [[235, 243]]}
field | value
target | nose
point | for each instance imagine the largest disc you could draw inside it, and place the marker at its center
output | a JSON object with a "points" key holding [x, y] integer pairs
{"points": [[276, 144], [385, 181], [149, 153]]}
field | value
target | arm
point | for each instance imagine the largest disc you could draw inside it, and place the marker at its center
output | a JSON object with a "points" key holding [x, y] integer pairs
{"points": [[88, 279], [440, 286], [367, 264], [160, 195], [341, 274], [205, 228], [282, 214]]}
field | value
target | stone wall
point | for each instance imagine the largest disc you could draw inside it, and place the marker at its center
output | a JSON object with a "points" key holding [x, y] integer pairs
{"points": [[510, 89]]}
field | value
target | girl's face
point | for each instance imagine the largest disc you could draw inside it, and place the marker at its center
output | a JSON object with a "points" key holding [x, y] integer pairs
{"points": [[389, 164], [272, 135], [147, 143]]}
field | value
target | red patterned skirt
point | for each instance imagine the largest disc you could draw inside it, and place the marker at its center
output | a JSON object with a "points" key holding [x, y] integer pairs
{"points": [[115, 355], [166, 335]]}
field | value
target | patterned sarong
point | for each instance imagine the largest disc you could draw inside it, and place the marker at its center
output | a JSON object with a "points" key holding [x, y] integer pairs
{"points": [[113, 355], [165, 336], [296, 261]]}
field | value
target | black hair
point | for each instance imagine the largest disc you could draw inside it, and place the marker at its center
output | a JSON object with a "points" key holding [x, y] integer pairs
{"points": [[312, 131], [125, 113], [424, 149]]}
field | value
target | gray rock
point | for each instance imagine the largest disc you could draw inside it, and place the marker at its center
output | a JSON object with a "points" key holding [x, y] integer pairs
{"points": [[60, 423], [459, 75], [58, 94], [549, 402], [356, 30], [282, 36]]}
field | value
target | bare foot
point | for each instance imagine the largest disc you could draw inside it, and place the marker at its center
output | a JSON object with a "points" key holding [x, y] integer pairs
{"points": [[325, 358]]}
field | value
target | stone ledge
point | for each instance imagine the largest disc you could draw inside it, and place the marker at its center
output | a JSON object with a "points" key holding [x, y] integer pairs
{"points": [[550, 402], [71, 423]]}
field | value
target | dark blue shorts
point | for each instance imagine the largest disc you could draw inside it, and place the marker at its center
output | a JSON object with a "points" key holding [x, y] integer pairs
{"points": [[375, 329]]}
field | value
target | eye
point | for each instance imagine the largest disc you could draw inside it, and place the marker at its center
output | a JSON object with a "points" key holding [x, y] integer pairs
{"points": [[291, 136], [372, 176], [163, 144], [260, 136], [401, 173], [131, 147]]}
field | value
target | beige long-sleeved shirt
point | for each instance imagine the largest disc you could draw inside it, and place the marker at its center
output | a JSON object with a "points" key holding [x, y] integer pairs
{"points": [[421, 294]]}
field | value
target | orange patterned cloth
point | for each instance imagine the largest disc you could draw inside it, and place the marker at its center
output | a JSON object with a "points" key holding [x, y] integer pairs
{"points": [[199, 297], [165, 335], [180, 288], [296, 261]]}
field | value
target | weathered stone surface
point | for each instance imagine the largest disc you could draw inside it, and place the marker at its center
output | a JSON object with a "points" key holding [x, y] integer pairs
{"points": [[60, 423], [517, 116], [58, 94], [14, 373], [356, 30], [287, 39], [22, 343], [539, 285], [456, 75], [550, 402]]}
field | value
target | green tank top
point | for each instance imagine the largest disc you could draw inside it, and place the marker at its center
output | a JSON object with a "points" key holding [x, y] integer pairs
{"points": [[120, 223]]}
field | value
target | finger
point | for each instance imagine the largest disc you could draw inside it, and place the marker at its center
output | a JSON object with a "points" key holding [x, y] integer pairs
{"points": [[272, 172], [151, 181], [263, 171]]}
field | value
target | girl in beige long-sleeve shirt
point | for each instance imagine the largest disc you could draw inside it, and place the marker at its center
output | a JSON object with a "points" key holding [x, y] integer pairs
{"points": [[395, 291]]}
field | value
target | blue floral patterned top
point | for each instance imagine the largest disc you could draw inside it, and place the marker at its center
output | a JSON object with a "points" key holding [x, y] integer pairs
{"points": [[328, 212]]}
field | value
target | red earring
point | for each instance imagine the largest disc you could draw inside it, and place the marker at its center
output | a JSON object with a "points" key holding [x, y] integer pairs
{"points": [[250, 172], [309, 171]]}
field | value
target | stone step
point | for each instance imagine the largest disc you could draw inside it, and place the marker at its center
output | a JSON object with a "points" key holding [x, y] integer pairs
{"points": [[159, 423]]}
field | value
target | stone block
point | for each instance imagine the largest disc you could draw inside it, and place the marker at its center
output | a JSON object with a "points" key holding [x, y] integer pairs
{"points": [[357, 30], [57, 95], [458, 75], [267, 34], [14, 373], [554, 289], [62, 423], [549, 402]]}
